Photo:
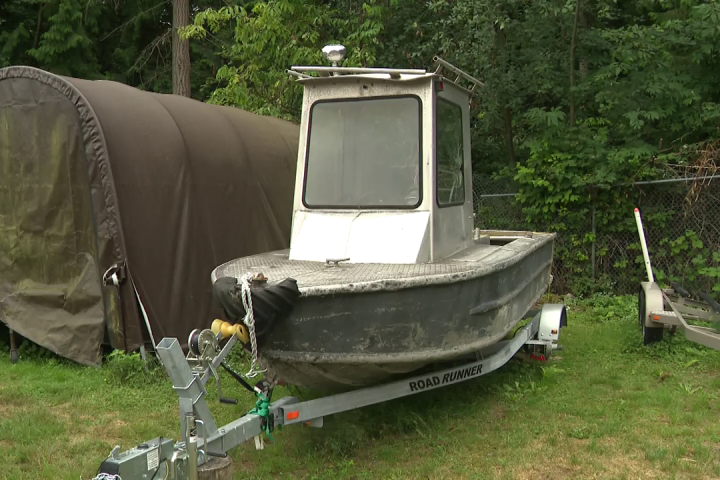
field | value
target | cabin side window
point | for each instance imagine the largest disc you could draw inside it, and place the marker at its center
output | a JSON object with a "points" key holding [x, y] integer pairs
{"points": [[364, 153], [449, 154]]}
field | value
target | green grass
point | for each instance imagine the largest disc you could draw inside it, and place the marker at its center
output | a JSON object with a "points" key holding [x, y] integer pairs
{"points": [[604, 407]]}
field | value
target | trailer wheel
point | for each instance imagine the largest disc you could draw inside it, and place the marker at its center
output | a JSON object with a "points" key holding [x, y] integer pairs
{"points": [[650, 334], [641, 307]]}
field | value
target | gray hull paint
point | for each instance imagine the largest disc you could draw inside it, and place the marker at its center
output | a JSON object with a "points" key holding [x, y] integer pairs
{"points": [[358, 337]]}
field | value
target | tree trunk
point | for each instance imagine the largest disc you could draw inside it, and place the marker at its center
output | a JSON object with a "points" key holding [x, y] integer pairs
{"points": [[181, 49], [507, 115], [39, 25], [583, 65], [572, 64], [500, 43]]}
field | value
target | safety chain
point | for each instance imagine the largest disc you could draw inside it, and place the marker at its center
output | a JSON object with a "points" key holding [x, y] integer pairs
{"points": [[106, 476], [249, 320]]}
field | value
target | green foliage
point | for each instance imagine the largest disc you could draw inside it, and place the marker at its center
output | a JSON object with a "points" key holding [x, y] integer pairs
{"points": [[131, 371], [571, 172], [644, 96], [270, 37], [604, 388], [610, 308], [654, 82], [644, 101], [16, 31], [125, 41], [700, 270], [28, 350], [66, 47]]}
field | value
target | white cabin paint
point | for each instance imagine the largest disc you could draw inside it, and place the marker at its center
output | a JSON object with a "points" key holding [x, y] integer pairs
{"points": [[414, 232], [363, 237]]}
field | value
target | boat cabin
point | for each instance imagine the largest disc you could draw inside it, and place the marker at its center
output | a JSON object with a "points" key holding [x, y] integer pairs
{"points": [[384, 169]]}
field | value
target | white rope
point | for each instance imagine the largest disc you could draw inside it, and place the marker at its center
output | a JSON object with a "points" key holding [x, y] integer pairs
{"points": [[249, 320]]}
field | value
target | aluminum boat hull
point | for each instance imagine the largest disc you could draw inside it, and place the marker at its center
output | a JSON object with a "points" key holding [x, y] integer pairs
{"points": [[356, 325]]}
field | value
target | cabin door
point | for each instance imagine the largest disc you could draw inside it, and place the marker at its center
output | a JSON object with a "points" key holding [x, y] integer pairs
{"points": [[452, 173]]}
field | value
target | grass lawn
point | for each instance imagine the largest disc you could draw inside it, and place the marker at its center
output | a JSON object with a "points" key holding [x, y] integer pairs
{"points": [[604, 407]]}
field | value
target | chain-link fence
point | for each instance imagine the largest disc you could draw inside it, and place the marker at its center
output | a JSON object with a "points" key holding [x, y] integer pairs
{"points": [[602, 251]]}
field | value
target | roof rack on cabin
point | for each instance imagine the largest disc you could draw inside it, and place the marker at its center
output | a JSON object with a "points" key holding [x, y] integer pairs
{"points": [[336, 53], [440, 64]]}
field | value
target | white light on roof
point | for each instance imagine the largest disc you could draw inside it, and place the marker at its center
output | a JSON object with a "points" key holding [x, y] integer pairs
{"points": [[334, 53]]}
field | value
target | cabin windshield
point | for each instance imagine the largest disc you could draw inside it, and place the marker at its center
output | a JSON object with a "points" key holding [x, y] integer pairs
{"points": [[364, 153]]}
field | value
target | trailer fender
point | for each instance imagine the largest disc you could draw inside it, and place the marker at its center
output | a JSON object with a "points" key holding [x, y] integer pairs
{"points": [[650, 299], [553, 316]]}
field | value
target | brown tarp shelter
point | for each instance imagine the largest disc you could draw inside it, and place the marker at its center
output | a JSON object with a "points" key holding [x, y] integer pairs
{"points": [[115, 201]]}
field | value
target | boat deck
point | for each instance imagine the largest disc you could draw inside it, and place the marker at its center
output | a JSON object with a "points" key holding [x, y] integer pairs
{"points": [[317, 278]]}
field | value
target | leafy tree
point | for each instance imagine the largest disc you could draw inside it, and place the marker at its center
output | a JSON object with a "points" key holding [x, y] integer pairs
{"points": [[18, 31], [66, 45], [645, 107], [125, 41], [578, 95], [270, 37]]}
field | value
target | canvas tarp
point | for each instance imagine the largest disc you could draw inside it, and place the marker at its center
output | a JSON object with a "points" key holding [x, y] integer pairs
{"points": [[96, 174]]}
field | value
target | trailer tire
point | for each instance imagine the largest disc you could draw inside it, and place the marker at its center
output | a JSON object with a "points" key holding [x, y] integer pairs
{"points": [[641, 307], [650, 334]]}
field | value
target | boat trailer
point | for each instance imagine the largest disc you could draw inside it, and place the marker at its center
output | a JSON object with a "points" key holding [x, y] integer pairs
{"points": [[202, 439], [671, 308]]}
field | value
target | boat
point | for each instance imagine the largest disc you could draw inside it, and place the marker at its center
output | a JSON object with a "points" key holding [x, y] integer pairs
{"points": [[385, 273]]}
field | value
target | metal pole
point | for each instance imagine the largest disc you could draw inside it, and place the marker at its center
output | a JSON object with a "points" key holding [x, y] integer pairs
{"points": [[643, 244], [495, 195], [398, 71], [191, 447], [676, 180]]}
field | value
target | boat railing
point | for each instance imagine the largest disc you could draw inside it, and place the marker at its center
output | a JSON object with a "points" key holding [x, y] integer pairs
{"points": [[440, 64], [301, 71], [440, 67]]}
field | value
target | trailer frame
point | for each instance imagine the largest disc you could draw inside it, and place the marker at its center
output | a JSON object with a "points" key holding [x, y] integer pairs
{"points": [[202, 438], [669, 309]]}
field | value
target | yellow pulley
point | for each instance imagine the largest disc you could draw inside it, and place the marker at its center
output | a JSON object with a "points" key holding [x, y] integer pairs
{"points": [[226, 329]]}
